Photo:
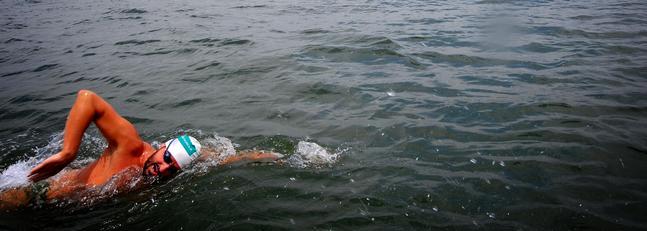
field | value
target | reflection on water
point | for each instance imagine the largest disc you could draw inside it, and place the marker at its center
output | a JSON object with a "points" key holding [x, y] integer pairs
{"points": [[461, 115]]}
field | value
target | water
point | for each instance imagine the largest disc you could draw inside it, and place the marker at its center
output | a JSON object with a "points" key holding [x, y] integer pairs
{"points": [[492, 115]]}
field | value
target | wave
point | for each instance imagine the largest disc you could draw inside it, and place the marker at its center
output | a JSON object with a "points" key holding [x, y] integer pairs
{"points": [[368, 56], [460, 60], [565, 32], [137, 42], [134, 11]]}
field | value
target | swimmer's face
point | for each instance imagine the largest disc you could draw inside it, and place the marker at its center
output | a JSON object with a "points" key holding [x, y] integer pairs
{"points": [[161, 164]]}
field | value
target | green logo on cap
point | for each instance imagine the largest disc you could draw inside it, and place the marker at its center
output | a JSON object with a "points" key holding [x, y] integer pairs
{"points": [[187, 145]]}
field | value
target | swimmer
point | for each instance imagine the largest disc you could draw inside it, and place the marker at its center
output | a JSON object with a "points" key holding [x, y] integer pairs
{"points": [[126, 157]]}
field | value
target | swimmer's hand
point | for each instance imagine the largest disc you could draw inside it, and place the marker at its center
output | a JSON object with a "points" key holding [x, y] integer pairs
{"points": [[51, 166]]}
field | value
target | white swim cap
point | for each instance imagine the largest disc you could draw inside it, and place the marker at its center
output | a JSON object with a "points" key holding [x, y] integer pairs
{"points": [[184, 149]]}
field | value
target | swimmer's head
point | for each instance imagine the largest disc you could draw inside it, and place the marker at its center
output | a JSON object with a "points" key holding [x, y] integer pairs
{"points": [[176, 154]]}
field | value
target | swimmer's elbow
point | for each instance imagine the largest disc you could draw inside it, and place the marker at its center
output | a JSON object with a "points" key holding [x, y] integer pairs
{"points": [[85, 92], [85, 96]]}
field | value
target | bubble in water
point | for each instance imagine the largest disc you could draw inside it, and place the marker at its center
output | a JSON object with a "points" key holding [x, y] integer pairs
{"points": [[390, 92], [491, 215], [363, 212]]}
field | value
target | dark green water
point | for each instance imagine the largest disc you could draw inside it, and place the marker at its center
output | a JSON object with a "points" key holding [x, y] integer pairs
{"points": [[496, 115]]}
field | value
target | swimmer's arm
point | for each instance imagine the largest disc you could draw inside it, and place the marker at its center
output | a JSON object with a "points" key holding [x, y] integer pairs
{"points": [[88, 107], [241, 157], [252, 156]]}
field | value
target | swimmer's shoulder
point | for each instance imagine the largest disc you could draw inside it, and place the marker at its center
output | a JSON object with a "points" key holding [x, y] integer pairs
{"points": [[131, 148]]}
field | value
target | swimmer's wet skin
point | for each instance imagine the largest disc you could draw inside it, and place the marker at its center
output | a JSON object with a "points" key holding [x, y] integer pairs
{"points": [[126, 150]]}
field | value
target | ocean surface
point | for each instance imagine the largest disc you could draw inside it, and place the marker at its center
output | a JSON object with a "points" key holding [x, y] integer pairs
{"points": [[424, 115]]}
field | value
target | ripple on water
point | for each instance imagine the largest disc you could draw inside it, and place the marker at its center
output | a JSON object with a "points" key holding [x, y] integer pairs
{"points": [[209, 65], [249, 6], [368, 56], [45, 67], [186, 103], [460, 60], [558, 31], [134, 11], [538, 47], [229, 42], [206, 41], [315, 31], [364, 41], [137, 42]]}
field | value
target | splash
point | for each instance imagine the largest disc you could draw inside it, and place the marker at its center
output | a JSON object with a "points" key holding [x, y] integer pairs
{"points": [[221, 145], [16, 174], [309, 154], [217, 148]]}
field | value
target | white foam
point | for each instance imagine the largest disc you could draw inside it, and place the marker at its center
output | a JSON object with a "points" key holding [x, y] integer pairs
{"points": [[16, 174], [310, 154], [221, 145]]}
